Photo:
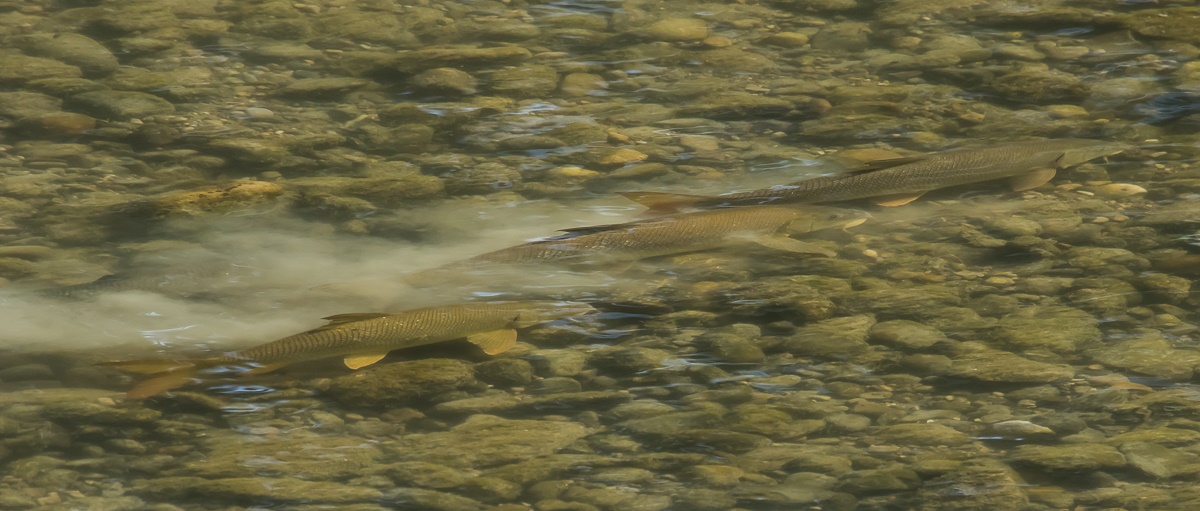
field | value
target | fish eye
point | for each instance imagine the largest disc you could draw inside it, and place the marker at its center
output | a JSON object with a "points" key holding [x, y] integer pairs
{"points": [[834, 216]]}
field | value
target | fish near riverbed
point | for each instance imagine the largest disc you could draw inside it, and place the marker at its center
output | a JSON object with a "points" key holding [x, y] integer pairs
{"points": [[614, 244], [362, 339], [898, 181]]}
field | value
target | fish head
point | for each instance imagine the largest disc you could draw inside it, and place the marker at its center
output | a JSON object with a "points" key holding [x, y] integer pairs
{"points": [[540, 312], [1088, 150], [816, 218]]}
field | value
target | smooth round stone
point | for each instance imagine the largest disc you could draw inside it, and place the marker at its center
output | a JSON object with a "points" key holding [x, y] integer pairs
{"points": [[58, 124], [121, 105], [678, 29], [259, 113]]}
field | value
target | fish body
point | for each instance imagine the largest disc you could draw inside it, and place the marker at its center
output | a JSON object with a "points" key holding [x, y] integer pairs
{"points": [[365, 338], [899, 181], [673, 234]]}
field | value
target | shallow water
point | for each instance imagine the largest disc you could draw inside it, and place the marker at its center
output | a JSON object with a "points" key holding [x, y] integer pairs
{"points": [[976, 349]]}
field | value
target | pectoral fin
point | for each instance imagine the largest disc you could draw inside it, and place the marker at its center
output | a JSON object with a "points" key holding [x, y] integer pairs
{"points": [[363, 360], [793, 245], [494, 342], [159, 384], [1031, 180], [896, 199], [263, 369]]}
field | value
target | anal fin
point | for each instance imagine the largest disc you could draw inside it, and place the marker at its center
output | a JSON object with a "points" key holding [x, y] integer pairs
{"points": [[494, 342], [1031, 180], [363, 360], [895, 199], [793, 245]]}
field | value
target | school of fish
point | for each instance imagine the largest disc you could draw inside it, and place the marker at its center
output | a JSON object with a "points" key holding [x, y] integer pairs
{"points": [[766, 217]]}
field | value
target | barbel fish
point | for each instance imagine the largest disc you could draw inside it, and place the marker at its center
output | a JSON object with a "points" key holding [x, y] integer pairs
{"points": [[898, 181], [601, 245], [363, 339]]}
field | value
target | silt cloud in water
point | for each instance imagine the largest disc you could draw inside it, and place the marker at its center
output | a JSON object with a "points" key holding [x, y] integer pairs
{"points": [[238, 281]]}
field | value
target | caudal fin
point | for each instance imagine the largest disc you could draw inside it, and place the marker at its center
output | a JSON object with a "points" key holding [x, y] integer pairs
{"points": [[664, 203], [164, 374]]}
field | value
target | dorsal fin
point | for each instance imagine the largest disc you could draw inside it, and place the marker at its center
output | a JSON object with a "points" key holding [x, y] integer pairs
{"points": [[338, 319], [663, 203], [591, 229], [873, 165]]}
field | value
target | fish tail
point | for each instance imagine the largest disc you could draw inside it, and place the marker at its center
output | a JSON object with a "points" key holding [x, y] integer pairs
{"points": [[165, 374], [661, 203]]}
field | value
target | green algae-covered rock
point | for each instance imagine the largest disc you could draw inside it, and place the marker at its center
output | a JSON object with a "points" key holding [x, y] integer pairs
{"points": [[991, 486], [299, 454], [1150, 355], [400, 382], [253, 490], [930, 433], [1178, 23], [906, 335], [900, 303], [74, 49], [1069, 457], [18, 69], [1058, 329], [895, 478], [977, 362], [487, 441], [457, 57], [120, 105], [838, 336], [391, 191]]}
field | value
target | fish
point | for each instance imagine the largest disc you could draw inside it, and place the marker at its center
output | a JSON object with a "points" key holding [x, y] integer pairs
{"points": [[898, 181], [611, 244], [184, 284], [361, 339]]}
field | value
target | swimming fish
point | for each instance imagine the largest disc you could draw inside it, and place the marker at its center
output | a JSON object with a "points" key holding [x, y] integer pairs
{"points": [[898, 181], [674, 234], [362, 339]]}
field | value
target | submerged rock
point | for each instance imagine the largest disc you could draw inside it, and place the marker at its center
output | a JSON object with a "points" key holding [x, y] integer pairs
{"points": [[488, 441], [1069, 457], [1058, 329], [252, 490], [400, 382]]}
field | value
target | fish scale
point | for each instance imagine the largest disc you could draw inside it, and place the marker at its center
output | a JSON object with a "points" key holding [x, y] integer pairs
{"points": [[906, 176], [655, 237], [402, 329]]}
